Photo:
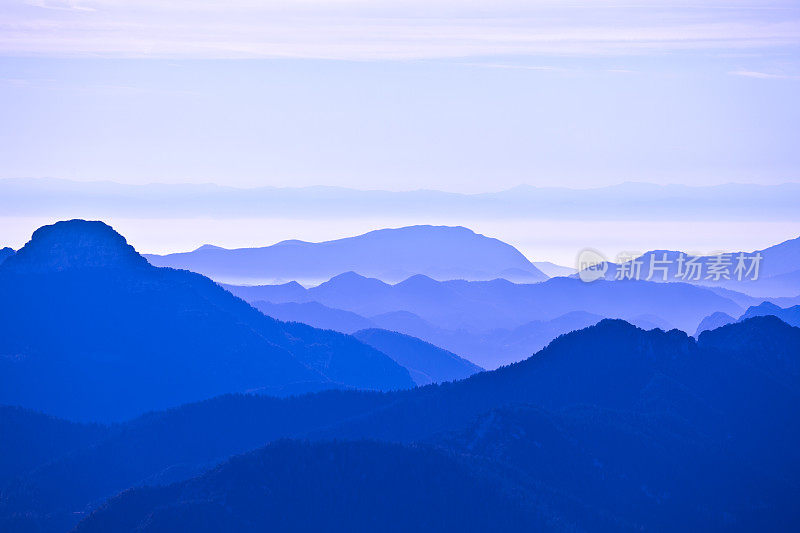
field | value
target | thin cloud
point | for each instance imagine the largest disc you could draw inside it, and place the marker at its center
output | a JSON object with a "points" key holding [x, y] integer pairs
{"points": [[409, 29], [62, 5], [764, 75], [541, 68]]}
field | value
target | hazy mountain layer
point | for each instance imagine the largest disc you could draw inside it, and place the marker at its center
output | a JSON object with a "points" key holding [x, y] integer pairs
{"points": [[391, 255], [426, 363], [776, 272], [631, 201], [91, 331], [493, 348], [480, 307]]}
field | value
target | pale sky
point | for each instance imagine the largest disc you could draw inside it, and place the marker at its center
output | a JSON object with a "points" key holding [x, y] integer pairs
{"points": [[462, 96]]}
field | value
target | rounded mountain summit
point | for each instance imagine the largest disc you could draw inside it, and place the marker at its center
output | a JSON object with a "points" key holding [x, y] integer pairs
{"points": [[71, 244], [93, 332], [391, 255]]}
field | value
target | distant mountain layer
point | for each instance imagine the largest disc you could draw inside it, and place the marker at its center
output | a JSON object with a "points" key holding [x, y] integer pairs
{"points": [[790, 315], [488, 305], [491, 322], [493, 348], [610, 428], [91, 331], [776, 273], [552, 270], [440, 252], [714, 321], [315, 314], [426, 363], [626, 201]]}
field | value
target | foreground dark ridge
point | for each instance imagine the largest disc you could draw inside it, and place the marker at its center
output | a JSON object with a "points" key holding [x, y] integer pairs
{"points": [[93, 332], [610, 427]]}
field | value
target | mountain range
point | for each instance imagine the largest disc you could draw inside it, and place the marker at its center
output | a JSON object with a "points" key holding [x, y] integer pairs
{"points": [[392, 255], [777, 273], [448, 253], [610, 428], [495, 347], [426, 363], [490, 323], [161, 381], [790, 315], [626, 201], [85, 317], [330, 486], [486, 305]]}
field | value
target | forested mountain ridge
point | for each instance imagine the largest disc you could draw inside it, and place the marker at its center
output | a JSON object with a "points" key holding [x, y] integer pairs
{"points": [[607, 428], [91, 331]]}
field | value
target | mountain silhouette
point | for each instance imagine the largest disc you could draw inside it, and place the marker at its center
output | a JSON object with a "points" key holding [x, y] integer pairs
{"points": [[440, 252], [783, 258], [608, 428], [299, 487], [483, 306], [286, 292], [633, 202], [32, 439], [778, 270], [426, 363], [159, 448], [493, 348], [714, 321], [790, 315], [5, 253], [75, 245], [315, 314], [553, 270], [91, 331]]}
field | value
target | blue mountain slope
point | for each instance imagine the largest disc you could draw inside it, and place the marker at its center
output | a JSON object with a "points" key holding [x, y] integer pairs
{"points": [[31, 439], [337, 486], [315, 314], [440, 252], [285, 292], [482, 306], [492, 349], [609, 428], [426, 363], [790, 315], [91, 331], [714, 321], [778, 270], [5, 253], [552, 270]]}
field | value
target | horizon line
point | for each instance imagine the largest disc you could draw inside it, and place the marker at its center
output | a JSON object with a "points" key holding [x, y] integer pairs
{"points": [[240, 187]]}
